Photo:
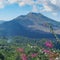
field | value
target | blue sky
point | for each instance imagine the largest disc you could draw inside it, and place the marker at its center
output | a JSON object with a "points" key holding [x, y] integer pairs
{"points": [[10, 9]]}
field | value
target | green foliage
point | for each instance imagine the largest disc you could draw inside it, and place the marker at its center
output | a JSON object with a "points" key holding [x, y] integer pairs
{"points": [[9, 50]]}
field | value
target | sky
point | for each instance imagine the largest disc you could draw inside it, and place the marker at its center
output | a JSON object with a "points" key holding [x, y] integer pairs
{"points": [[10, 9]]}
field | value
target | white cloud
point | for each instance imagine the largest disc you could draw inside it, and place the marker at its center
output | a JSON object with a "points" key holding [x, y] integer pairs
{"points": [[34, 9], [1, 4], [47, 5], [12, 1], [21, 3], [54, 14], [47, 8], [53, 1]]}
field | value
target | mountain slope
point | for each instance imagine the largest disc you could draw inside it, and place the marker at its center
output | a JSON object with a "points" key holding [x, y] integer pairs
{"points": [[30, 25], [1, 21], [37, 21]]}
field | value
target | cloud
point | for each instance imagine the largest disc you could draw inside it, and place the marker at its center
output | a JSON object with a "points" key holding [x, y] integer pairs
{"points": [[47, 5], [34, 9], [53, 2], [47, 8], [12, 1], [1, 4], [52, 6], [21, 3], [54, 14]]}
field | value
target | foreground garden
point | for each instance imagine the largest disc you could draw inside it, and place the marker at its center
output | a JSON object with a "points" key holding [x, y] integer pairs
{"points": [[24, 49]]}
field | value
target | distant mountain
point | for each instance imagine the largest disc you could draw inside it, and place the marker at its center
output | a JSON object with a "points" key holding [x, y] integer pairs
{"points": [[1, 21], [30, 25]]}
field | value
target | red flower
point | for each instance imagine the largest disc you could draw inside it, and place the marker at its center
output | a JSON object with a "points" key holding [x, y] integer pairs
{"points": [[34, 55], [23, 57], [20, 50], [49, 44]]}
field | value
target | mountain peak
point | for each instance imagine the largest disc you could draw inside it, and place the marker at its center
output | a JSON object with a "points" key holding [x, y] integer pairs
{"points": [[31, 25], [33, 13]]}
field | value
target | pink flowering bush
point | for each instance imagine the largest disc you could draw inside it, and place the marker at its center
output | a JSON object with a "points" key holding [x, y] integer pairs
{"points": [[46, 51], [49, 44], [37, 53], [34, 55], [20, 50], [23, 56]]}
